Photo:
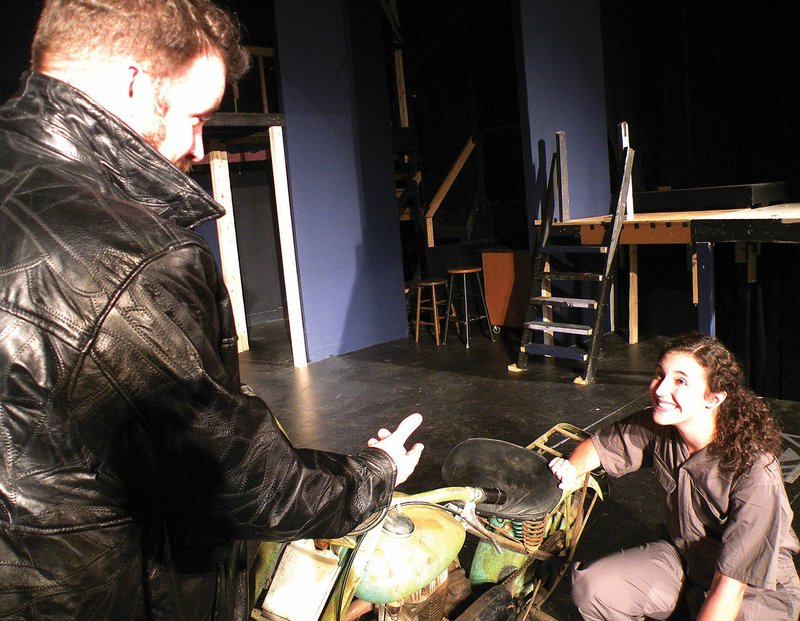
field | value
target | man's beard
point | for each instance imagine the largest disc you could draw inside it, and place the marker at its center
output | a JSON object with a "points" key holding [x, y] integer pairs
{"points": [[157, 132], [184, 164]]}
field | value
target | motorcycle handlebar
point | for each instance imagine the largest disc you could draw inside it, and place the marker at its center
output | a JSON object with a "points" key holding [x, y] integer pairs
{"points": [[493, 496]]}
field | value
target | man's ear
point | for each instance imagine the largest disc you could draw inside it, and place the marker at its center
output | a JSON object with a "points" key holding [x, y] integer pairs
{"points": [[137, 80], [138, 96]]}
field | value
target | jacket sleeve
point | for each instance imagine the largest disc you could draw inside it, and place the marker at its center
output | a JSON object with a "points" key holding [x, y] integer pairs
{"points": [[169, 420]]}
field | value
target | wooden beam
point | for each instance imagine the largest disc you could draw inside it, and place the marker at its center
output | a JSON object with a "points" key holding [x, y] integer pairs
{"points": [[255, 120], [562, 174], [260, 51], [262, 83], [547, 311], [445, 187], [400, 77], [625, 142], [228, 248], [286, 234], [633, 294]]}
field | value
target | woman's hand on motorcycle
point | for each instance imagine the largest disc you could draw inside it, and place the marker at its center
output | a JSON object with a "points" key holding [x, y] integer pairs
{"points": [[571, 471], [566, 472], [393, 443]]}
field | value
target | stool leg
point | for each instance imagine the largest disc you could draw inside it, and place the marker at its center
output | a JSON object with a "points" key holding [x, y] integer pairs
{"points": [[449, 302], [419, 307], [435, 315], [466, 309], [485, 310]]}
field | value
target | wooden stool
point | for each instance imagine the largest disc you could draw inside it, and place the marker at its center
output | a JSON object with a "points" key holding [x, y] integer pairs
{"points": [[465, 319], [435, 316]]}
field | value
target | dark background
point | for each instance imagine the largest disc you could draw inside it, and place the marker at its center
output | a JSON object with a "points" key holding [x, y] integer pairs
{"points": [[710, 89], [710, 93]]}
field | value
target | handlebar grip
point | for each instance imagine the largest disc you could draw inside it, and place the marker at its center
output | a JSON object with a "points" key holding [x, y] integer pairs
{"points": [[494, 496]]}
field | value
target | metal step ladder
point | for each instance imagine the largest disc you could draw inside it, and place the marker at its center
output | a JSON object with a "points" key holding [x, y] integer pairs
{"points": [[582, 318]]}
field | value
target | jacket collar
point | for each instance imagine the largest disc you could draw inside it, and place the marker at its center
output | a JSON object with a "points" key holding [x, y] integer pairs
{"points": [[80, 130]]}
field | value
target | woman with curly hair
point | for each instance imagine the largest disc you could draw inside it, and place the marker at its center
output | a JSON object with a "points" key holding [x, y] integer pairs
{"points": [[714, 447]]}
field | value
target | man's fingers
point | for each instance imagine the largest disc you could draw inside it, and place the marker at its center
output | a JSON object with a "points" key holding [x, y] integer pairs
{"points": [[407, 426], [416, 450], [407, 462], [394, 445], [414, 455]]}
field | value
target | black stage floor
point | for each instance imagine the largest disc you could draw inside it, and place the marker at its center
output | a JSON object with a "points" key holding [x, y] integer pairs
{"points": [[337, 404]]}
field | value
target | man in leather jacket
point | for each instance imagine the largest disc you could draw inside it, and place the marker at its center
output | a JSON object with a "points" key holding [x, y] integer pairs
{"points": [[133, 467]]}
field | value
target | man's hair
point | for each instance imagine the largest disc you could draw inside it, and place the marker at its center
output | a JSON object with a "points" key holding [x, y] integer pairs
{"points": [[164, 35]]}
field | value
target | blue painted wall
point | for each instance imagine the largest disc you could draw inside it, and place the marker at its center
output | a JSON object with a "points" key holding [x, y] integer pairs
{"points": [[339, 159], [561, 73]]}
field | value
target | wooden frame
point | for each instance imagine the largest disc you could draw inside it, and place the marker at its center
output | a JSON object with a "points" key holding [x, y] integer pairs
{"points": [[445, 188]]}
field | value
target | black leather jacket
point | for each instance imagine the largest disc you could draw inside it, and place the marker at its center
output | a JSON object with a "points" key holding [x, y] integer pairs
{"points": [[133, 467]]}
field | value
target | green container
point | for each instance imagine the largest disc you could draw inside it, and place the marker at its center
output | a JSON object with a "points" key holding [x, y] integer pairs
{"points": [[415, 546], [489, 567]]}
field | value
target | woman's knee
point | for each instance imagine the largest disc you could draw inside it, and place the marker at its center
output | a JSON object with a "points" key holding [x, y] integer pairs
{"points": [[589, 586], [630, 583]]}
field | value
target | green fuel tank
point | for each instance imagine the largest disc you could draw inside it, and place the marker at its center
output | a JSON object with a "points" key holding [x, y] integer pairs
{"points": [[416, 544]]}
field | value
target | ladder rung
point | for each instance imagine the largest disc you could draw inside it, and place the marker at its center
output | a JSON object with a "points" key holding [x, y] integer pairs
{"points": [[570, 276], [563, 248], [569, 302], [560, 328], [557, 351]]}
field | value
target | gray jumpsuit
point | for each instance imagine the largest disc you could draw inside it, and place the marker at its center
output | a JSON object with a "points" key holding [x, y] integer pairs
{"points": [[740, 527]]}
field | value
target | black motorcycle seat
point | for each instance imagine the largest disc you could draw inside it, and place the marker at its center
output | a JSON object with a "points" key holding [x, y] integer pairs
{"points": [[522, 474]]}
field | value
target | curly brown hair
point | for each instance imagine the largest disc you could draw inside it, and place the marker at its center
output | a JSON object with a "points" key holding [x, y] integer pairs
{"points": [[745, 426], [165, 35]]}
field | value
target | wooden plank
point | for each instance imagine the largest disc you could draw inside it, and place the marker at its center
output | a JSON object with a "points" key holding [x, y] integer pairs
{"points": [[286, 234], [563, 176], [752, 267], [714, 197], [625, 142], [547, 311], [228, 248], [265, 52], [444, 188], [589, 276], [250, 120], [774, 226], [661, 217], [559, 328], [262, 82], [581, 249], [633, 294], [634, 232], [402, 98], [788, 213], [558, 351], [568, 302]]}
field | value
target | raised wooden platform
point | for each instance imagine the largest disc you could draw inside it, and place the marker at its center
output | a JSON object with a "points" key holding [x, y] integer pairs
{"points": [[699, 229]]}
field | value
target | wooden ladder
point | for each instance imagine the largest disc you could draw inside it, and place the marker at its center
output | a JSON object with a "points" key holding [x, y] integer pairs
{"points": [[539, 331]]}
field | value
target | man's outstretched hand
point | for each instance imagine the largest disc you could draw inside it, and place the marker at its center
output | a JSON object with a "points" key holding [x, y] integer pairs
{"points": [[394, 445]]}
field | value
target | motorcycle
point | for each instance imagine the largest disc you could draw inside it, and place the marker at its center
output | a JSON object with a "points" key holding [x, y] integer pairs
{"points": [[404, 564]]}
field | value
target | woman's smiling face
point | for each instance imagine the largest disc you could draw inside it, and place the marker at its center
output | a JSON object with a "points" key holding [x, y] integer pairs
{"points": [[679, 391]]}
